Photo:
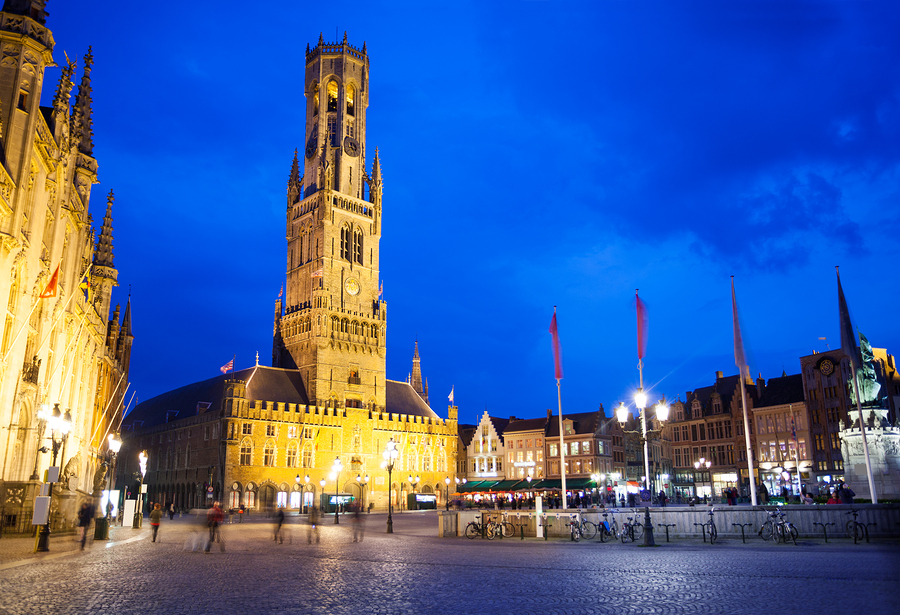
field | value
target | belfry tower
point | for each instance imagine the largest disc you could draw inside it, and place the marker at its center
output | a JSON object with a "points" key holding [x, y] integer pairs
{"points": [[331, 325]]}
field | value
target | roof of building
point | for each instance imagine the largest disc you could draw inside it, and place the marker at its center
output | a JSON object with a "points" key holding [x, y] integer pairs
{"points": [[582, 423], [466, 432], [783, 390], [538, 424], [264, 384], [726, 387]]}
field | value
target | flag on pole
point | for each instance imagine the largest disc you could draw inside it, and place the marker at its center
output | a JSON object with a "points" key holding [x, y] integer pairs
{"points": [[557, 358], [642, 326], [281, 292], [740, 357], [848, 339], [318, 273], [793, 430], [50, 290], [228, 366], [381, 289], [316, 440], [451, 395]]}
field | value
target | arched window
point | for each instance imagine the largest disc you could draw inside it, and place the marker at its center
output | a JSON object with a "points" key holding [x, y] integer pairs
{"points": [[441, 462], [269, 454], [315, 99], [412, 461], [358, 246], [426, 467], [307, 458], [291, 459], [246, 451], [332, 95], [346, 239], [351, 96]]}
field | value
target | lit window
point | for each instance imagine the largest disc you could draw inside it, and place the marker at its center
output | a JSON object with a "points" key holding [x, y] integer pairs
{"points": [[332, 95]]}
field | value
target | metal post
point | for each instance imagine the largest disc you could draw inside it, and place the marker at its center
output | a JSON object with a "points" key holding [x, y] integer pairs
{"points": [[390, 521]]}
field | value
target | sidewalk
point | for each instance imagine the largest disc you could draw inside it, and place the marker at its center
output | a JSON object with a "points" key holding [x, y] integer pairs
{"points": [[17, 547]]}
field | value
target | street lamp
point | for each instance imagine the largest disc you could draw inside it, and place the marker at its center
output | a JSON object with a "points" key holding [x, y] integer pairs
{"points": [[59, 433], [336, 468], [703, 463], [645, 435], [101, 527], [447, 502], [390, 456], [138, 509]]}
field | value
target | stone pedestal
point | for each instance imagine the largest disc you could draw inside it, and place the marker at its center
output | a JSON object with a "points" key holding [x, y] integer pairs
{"points": [[884, 454]]}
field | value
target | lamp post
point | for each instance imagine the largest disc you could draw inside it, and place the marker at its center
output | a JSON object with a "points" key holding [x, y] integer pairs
{"points": [[645, 435], [447, 499], [59, 433], [390, 456], [138, 509], [703, 463], [101, 526], [336, 468], [596, 478], [413, 483]]}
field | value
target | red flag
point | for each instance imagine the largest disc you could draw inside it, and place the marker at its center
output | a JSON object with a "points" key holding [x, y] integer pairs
{"points": [[281, 291], [642, 326], [848, 337], [557, 354], [50, 290], [740, 357]]}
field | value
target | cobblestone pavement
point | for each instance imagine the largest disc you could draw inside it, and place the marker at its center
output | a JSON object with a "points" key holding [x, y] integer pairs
{"points": [[413, 571]]}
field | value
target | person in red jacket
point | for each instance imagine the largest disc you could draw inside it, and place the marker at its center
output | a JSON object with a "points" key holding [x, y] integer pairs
{"points": [[214, 518]]}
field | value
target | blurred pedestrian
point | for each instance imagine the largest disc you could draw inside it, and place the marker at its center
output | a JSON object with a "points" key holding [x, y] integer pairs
{"points": [[847, 494], [85, 514], [279, 521], [314, 517], [358, 524], [214, 518], [171, 511], [155, 518]]}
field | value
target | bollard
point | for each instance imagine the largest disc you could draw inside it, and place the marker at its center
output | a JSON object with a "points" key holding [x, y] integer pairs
{"points": [[667, 526], [742, 525]]}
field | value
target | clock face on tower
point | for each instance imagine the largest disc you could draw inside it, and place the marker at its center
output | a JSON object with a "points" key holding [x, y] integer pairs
{"points": [[352, 286], [311, 146], [351, 146], [826, 367]]}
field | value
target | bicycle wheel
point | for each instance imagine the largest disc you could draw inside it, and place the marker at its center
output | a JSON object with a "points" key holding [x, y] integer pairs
{"points": [[713, 533], [853, 527], [576, 533], [604, 533], [588, 530], [626, 533], [490, 531], [472, 530], [637, 531], [767, 531], [793, 533]]}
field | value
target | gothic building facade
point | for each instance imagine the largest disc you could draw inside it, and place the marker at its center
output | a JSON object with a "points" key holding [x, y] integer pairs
{"points": [[60, 350], [267, 436]]}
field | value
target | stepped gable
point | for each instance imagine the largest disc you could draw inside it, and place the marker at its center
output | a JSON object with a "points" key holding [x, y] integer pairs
{"points": [[783, 390], [270, 384], [466, 433], [401, 398], [726, 387]]}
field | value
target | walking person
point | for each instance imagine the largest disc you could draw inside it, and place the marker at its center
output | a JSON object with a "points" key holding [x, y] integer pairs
{"points": [[85, 514], [846, 494], [313, 524], [214, 518], [279, 521], [155, 518], [171, 511], [358, 529]]}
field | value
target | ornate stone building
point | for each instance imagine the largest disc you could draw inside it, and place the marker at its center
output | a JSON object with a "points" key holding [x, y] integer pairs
{"points": [[270, 435], [62, 350]]}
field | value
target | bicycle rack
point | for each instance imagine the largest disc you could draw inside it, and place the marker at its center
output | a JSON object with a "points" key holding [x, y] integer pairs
{"points": [[742, 526], [521, 526], [667, 526], [702, 527], [865, 527], [543, 523], [824, 529]]}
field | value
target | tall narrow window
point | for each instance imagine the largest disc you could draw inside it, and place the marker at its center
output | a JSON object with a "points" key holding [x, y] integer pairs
{"points": [[358, 246], [345, 243], [351, 95], [315, 100], [332, 95], [246, 452], [332, 132], [269, 454]]}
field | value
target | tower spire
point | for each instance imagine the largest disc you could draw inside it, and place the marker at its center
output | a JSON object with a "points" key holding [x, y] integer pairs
{"points": [[64, 89], [103, 255], [294, 183], [83, 112]]}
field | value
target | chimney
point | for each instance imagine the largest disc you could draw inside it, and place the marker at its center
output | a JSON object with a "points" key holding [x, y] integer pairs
{"points": [[719, 375]]}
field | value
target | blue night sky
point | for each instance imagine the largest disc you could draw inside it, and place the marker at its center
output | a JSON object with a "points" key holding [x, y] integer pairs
{"points": [[534, 154]]}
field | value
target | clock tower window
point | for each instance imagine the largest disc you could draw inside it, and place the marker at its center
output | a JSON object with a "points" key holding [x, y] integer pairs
{"points": [[358, 245], [332, 131], [351, 95], [332, 95], [315, 100]]}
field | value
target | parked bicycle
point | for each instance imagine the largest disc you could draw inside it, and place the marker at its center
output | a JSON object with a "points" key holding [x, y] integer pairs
{"points": [[609, 527], [632, 529], [778, 528], [855, 529], [574, 528], [710, 526], [588, 529], [480, 527], [508, 529]]}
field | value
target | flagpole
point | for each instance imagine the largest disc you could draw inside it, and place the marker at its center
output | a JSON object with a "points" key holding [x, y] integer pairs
{"points": [[848, 344], [63, 311], [562, 448], [739, 350]]}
